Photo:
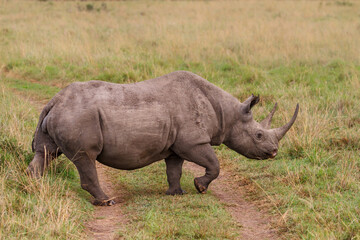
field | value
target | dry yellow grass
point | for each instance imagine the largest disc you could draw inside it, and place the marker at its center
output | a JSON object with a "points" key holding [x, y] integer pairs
{"points": [[48, 208], [250, 32]]}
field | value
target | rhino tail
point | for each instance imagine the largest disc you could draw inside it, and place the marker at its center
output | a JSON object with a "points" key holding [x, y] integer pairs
{"points": [[41, 126]]}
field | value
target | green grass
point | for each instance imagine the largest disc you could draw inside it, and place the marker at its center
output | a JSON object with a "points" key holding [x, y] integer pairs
{"points": [[314, 193], [32, 88]]}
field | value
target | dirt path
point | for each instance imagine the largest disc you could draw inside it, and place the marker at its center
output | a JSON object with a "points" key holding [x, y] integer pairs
{"points": [[255, 224], [107, 220]]}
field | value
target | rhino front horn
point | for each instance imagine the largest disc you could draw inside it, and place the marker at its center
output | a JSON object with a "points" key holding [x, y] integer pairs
{"points": [[281, 131]]}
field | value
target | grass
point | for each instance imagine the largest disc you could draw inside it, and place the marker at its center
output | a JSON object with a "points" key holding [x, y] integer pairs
{"points": [[303, 52], [33, 89], [50, 208]]}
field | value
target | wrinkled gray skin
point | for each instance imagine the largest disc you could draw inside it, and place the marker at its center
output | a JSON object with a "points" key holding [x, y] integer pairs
{"points": [[128, 126]]}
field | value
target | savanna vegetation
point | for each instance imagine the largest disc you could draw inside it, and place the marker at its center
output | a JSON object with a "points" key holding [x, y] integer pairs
{"points": [[289, 52]]}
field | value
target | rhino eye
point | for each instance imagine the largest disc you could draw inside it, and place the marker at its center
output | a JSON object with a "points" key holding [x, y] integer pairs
{"points": [[259, 135]]}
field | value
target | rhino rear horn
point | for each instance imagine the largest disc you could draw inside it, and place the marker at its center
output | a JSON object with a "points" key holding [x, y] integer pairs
{"points": [[281, 131], [267, 121]]}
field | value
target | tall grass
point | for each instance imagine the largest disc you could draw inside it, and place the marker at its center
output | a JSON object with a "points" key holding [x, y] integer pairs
{"points": [[49, 208], [137, 40]]}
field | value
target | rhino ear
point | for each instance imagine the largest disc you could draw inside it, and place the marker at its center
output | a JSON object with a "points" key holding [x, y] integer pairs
{"points": [[250, 102]]}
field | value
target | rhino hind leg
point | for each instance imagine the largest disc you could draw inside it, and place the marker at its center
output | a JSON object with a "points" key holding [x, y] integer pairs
{"points": [[173, 171], [89, 179], [204, 156]]}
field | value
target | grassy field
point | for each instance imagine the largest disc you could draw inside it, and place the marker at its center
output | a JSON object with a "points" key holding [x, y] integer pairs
{"points": [[289, 52]]}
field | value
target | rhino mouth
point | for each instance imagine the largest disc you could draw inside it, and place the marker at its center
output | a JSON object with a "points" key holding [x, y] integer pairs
{"points": [[263, 155], [272, 155], [267, 156]]}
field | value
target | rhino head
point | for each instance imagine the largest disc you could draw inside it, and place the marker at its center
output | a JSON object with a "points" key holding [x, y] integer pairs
{"points": [[256, 140]]}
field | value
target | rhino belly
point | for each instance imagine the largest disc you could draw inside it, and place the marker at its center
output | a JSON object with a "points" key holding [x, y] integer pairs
{"points": [[133, 151], [135, 138], [130, 161]]}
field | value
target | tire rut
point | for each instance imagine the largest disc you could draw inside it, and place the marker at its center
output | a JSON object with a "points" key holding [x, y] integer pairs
{"points": [[107, 220], [256, 225]]}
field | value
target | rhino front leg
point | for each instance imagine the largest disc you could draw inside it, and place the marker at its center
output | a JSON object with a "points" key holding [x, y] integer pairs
{"points": [[89, 180], [173, 171], [204, 156]]}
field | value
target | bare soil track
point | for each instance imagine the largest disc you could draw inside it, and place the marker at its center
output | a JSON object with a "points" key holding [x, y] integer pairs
{"points": [[107, 220], [255, 225]]}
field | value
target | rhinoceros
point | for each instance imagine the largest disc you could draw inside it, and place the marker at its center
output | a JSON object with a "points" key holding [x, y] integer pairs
{"points": [[176, 117]]}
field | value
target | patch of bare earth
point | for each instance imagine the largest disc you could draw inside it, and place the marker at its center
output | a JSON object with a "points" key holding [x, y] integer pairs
{"points": [[110, 219], [256, 225]]}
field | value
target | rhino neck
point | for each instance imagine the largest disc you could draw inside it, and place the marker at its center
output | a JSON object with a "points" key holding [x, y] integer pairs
{"points": [[225, 106], [226, 109]]}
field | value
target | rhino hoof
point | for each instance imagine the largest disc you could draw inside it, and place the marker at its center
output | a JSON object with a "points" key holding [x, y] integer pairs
{"points": [[175, 192], [32, 173], [110, 203], [199, 186], [104, 202]]}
